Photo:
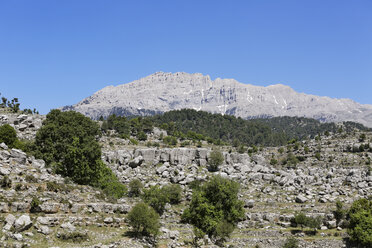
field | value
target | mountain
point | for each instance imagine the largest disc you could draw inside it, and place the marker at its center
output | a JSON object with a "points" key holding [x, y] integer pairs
{"points": [[161, 92]]}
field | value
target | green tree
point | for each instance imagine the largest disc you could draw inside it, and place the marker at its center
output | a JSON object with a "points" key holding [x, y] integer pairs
{"points": [[215, 160], [8, 135], [173, 193], [299, 219], [144, 219], [67, 141], [360, 222], [156, 198], [339, 212], [135, 187], [215, 208]]}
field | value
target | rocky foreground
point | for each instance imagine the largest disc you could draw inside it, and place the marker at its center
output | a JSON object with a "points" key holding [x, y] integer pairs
{"points": [[70, 215]]}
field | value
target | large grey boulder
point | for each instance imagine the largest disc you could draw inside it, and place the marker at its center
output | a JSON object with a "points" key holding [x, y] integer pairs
{"points": [[136, 162], [23, 223]]}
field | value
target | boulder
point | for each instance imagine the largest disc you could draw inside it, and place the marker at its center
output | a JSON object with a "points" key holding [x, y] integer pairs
{"points": [[136, 162], [23, 223], [301, 199]]}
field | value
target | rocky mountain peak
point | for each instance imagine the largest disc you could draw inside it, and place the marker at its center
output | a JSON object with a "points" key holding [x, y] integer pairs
{"points": [[164, 91]]}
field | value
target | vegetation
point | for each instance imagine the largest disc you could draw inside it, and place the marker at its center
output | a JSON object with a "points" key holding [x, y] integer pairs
{"points": [[215, 160], [75, 237], [291, 243], [5, 182], [339, 212], [360, 222], [144, 220], [67, 142], [237, 131], [157, 197], [135, 187], [215, 208], [302, 220], [14, 106], [35, 205]]}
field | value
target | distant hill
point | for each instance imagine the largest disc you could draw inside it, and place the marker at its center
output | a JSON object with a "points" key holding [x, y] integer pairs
{"points": [[162, 92], [269, 132]]}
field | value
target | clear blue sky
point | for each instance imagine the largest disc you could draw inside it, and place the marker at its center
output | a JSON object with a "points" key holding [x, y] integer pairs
{"points": [[55, 53]]}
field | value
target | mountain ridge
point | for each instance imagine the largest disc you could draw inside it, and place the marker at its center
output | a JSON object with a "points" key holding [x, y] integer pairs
{"points": [[161, 92]]}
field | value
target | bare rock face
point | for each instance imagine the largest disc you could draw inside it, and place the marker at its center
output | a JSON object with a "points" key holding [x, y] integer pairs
{"points": [[161, 92]]}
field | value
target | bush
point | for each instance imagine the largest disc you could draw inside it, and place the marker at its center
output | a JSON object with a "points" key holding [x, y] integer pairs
{"points": [[215, 160], [31, 179], [75, 237], [302, 220], [156, 198], [144, 220], [339, 212], [142, 136], [67, 140], [5, 182], [8, 135], [215, 206], [291, 243], [360, 222], [170, 140], [35, 205], [135, 187], [173, 193]]}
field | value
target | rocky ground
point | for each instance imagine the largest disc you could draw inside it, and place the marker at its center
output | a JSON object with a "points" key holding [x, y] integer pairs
{"points": [[70, 215]]}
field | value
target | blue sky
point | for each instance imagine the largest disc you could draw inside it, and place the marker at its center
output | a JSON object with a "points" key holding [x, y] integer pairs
{"points": [[55, 53]]}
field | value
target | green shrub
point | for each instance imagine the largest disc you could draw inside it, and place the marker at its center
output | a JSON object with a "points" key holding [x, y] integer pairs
{"points": [[156, 198], [170, 140], [339, 212], [31, 179], [302, 220], [8, 135], [299, 220], [173, 193], [5, 182], [133, 141], [35, 205], [291, 243], [135, 187], [75, 237], [273, 161], [360, 222], [144, 220], [215, 160], [142, 136], [215, 206]]}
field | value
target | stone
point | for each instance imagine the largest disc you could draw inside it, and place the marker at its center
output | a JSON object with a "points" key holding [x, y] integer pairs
{"points": [[9, 220], [249, 203], [301, 199], [50, 208], [108, 220], [18, 236], [44, 230], [23, 223], [136, 162], [68, 226]]}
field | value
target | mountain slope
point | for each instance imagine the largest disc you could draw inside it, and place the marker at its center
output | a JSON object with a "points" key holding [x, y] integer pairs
{"points": [[161, 92]]}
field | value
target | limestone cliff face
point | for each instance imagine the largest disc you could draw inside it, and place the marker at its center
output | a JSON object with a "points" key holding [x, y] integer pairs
{"points": [[161, 92]]}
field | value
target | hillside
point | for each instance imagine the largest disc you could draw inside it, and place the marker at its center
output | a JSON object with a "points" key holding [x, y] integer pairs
{"points": [[276, 183]]}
